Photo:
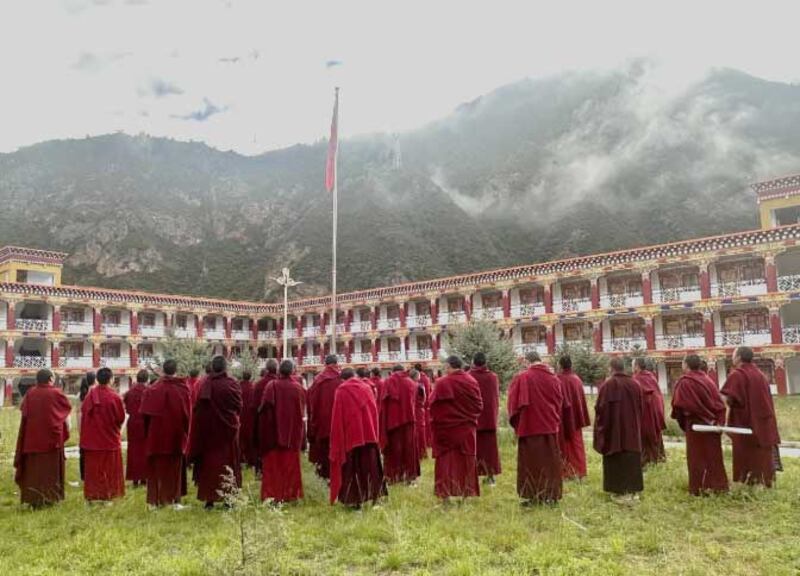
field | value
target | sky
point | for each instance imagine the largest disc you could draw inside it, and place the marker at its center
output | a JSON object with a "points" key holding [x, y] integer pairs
{"points": [[251, 76]]}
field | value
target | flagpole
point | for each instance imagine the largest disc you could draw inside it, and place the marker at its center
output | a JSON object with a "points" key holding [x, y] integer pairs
{"points": [[335, 225]]}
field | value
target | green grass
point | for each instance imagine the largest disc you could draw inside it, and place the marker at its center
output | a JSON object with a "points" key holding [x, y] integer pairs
{"points": [[750, 532]]}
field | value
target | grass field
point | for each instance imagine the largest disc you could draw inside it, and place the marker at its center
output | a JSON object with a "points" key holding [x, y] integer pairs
{"points": [[749, 532]]}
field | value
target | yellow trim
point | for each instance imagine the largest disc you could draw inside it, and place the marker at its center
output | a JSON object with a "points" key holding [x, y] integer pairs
{"points": [[765, 208], [8, 270]]}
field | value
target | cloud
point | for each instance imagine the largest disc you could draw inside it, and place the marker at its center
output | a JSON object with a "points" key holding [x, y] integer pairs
{"points": [[230, 60], [91, 62], [209, 109], [160, 88]]}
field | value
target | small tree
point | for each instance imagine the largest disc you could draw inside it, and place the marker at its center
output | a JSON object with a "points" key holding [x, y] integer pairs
{"points": [[188, 353], [479, 335], [247, 361], [590, 366]]}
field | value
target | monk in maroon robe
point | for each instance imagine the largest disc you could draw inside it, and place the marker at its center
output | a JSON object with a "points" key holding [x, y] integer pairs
{"points": [[377, 385], [398, 428], [43, 430], [136, 469], [574, 418], [747, 393], [356, 471], [268, 374], [426, 382], [101, 423], [193, 383], [282, 436], [617, 431], [534, 410], [363, 374], [455, 406], [696, 400], [214, 435], [167, 412], [248, 420], [653, 419], [420, 403], [320, 405], [488, 454]]}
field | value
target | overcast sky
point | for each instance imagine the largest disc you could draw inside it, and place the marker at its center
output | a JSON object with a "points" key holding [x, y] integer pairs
{"points": [[251, 75]]}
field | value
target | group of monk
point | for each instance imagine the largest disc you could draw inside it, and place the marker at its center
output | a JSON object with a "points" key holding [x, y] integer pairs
{"points": [[363, 432]]}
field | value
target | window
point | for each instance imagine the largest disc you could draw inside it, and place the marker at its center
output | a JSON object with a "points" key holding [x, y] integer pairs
{"points": [[210, 322], [73, 315], [575, 291], [238, 325], [492, 300], [757, 321], [394, 344], [366, 347], [110, 350], [147, 319], [574, 332], [455, 304], [393, 312], [423, 342], [22, 276], [423, 308], [72, 349], [531, 335], [112, 317], [146, 350], [181, 320], [532, 295]]}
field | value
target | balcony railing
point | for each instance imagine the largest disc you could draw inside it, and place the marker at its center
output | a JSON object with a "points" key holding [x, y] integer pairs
{"points": [[152, 331], [214, 334], [115, 362], [339, 329], [31, 362], [791, 334], [341, 358], [185, 333], [452, 317], [77, 327], [420, 354], [740, 288], [361, 326], [522, 349], [680, 294], [33, 325], [624, 344], [789, 283], [241, 334], [418, 321], [147, 362], [488, 313], [573, 305], [745, 338], [311, 331], [388, 323], [116, 329], [525, 310], [75, 362], [362, 357], [621, 300], [680, 342], [391, 356], [267, 334]]}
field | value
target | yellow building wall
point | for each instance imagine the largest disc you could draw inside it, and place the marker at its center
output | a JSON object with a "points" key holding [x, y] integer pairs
{"points": [[766, 207], [8, 270]]}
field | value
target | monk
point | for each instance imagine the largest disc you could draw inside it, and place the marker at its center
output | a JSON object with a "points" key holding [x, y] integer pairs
{"points": [[136, 469], [534, 411], [320, 404], [653, 420], [356, 471], [426, 382], [214, 434], [282, 436], [86, 384], [420, 402], [101, 422], [574, 418], [746, 391], [377, 383], [363, 374], [398, 428], [488, 455], [43, 430], [193, 383], [455, 406], [696, 400], [167, 413], [618, 431], [248, 420], [268, 373]]}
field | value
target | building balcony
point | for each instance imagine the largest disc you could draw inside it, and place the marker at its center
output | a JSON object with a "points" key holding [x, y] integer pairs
{"points": [[785, 284], [488, 313], [116, 329], [184, 333], [418, 321], [147, 362], [77, 327], [115, 362], [391, 356], [745, 338], [419, 355], [621, 300], [362, 357], [214, 334], [31, 362], [361, 326], [452, 318], [624, 344], [682, 294], [791, 334], [241, 334], [680, 342], [340, 329], [152, 331], [388, 323], [573, 305], [33, 325], [267, 334], [522, 349], [311, 331], [742, 288], [527, 310], [70, 362], [3, 321], [341, 358]]}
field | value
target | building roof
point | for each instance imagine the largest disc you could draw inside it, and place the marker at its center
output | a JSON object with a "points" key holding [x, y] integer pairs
{"points": [[8, 253], [777, 188]]}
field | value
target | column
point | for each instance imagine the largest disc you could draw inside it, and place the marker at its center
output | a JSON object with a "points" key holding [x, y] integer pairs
{"points": [[227, 323], [8, 391], [705, 280], [168, 319], [403, 313], [647, 287], [708, 328], [434, 311], [550, 338], [280, 351], [775, 327], [134, 322], [468, 306], [254, 328], [9, 353], [134, 356], [548, 298], [348, 350], [279, 331], [55, 354], [597, 335], [198, 325], [299, 324], [435, 341], [506, 303], [771, 273], [57, 318], [348, 319], [323, 322], [595, 292], [95, 355], [98, 321], [375, 348], [780, 377], [403, 349], [11, 315], [650, 333], [374, 314]]}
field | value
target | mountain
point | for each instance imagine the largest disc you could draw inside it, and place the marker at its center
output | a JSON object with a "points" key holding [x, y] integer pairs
{"points": [[543, 168]]}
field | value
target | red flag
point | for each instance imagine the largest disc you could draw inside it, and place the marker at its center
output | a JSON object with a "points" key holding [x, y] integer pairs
{"points": [[333, 147]]}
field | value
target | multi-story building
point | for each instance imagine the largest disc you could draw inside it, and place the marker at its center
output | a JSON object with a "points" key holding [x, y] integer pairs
{"points": [[707, 295]]}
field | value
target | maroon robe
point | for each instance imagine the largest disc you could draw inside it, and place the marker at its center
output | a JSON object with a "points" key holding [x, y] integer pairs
{"points": [[39, 458], [136, 469], [398, 428], [653, 420], [167, 413], [356, 472], [575, 417], [696, 400], [258, 395], [248, 422], [426, 381], [420, 423], [455, 406], [281, 439], [214, 435], [535, 403], [488, 454], [751, 406], [320, 405], [618, 434], [102, 415]]}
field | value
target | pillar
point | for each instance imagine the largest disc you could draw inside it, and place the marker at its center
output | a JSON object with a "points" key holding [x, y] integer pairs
{"points": [[375, 349], [56, 318], [647, 287], [550, 339], [374, 314], [348, 350], [404, 348], [134, 322], [771, 273], [280, 351], [468, 306], [708, 329], [227, 323], [98, 321], [168, 320], [595, 292], [11, 318], [705, 281], [323, 322], [597, 336], [435, 347], [775, 326], [134, 356], [650, 333], [348, 320], [95, 355], [9, 353], [279, 331], [780, 377], [299, 321], [403, 314], [55, 354], [434, 311], [506, 303], [548, 298], [198, 325], [8, 392], [254, 328]]}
